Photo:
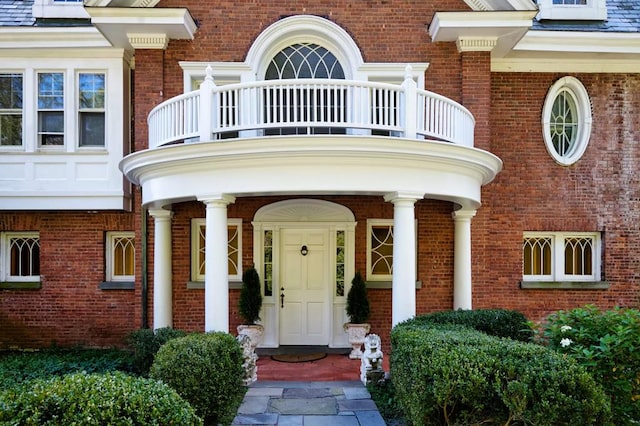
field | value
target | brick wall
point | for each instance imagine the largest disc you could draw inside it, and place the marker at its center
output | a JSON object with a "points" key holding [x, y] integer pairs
{"points": [[69, 308]]}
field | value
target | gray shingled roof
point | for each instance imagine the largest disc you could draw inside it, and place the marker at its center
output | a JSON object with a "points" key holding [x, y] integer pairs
{"points": [[623, 16], [16, 13]]}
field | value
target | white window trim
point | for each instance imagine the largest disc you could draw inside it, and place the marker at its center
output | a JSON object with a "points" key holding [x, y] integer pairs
{"points": [[5, 251], [595, 10], [195, 248], [370, 224], [13, 111], [574, 88], [110, 276], [79, 111], [557, 257]]}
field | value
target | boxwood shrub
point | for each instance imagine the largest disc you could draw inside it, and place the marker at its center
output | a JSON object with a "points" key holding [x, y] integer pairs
{"points": [[494, 322], [145, 343], [206, 370], [94, 399], [452, 375]]}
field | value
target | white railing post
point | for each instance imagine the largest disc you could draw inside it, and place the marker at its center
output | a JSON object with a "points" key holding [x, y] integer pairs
{"points": [[410, 103], [206, 106]]}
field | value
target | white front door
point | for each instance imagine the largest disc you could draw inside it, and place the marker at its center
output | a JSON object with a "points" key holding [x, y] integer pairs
{"points": [[304, 283]]}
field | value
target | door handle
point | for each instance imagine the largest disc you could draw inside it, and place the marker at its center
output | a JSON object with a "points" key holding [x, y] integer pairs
{"points": [[282, 297]]}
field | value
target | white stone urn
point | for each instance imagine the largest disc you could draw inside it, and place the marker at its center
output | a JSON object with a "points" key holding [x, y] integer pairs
{"points": [[254, 331], [357, 334]]}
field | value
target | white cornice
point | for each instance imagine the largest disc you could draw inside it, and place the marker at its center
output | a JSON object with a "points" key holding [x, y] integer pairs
{"points": [[495, 5], [566, 51], [51, 37], [117, 23], [505, 27], [148, 41]]}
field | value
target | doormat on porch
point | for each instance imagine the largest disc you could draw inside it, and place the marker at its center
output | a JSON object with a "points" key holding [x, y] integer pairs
{"points": [[299, 357]]}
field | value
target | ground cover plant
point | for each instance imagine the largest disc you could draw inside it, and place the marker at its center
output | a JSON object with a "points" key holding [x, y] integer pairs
{"points": [[607, 344]]}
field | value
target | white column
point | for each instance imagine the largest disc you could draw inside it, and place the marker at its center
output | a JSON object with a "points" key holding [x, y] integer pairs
{"points": [[162, 288], [403, 293], [462, 288], [216, 279]]}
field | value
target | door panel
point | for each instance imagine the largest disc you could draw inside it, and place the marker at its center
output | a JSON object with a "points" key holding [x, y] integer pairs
{"points": [[304, 311]]}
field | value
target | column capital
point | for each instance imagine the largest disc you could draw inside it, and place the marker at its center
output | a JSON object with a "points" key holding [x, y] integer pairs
{"points": [[463, 214], [400, 196], [218, 198], [160, 213]]}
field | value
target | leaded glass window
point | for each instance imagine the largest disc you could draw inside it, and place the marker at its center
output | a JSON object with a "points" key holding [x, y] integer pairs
{"points": [[340, 262]]}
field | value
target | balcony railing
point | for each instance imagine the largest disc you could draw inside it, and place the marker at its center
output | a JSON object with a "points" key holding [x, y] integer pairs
{"points": [[309, 106]]}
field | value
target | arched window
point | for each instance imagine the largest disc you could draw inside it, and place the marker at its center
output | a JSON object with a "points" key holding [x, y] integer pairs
{"points": [[304, 60], [566, 120], [312, 104]]}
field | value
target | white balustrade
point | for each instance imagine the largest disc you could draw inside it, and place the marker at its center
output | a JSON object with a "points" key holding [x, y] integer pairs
{"points": [[307, 106]]}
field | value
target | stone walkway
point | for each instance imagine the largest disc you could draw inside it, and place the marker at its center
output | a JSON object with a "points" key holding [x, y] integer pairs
{"points": [[345, 403]]}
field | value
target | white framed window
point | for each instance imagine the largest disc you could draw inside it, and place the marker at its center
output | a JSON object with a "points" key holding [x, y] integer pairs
{"points": [[120, 254], [561, 256], [20, 256], [11, 93], [50, 109], [566, 120], [379, 249], [576, 10], [91, 109], [234, 248]]}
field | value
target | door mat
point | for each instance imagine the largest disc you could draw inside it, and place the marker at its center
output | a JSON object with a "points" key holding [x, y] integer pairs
{"points": [[299, 357]]}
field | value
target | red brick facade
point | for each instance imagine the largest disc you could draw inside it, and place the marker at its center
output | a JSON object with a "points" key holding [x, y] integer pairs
{"points": [[532, 193]]}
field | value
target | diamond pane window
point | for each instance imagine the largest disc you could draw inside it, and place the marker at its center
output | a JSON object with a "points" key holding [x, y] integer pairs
{"points": [[340, 262], [268, 262]]}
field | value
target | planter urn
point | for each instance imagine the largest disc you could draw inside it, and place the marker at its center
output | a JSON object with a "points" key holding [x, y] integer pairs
{"points": [[357, 334]]}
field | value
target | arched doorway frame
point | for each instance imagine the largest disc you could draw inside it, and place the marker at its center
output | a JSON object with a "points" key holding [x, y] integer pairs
{"points": [[303, 213]]}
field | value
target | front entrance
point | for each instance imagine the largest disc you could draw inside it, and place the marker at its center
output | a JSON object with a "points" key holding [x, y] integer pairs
{"points": [[304, 287]]}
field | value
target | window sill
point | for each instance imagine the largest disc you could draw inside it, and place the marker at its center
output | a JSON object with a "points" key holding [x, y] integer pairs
{"points": [[117, 285], [199, 285], [565, 285], [20, 285], [386, 284]]}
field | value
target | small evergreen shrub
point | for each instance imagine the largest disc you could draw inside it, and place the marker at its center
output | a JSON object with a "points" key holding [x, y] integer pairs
{"points": [[453, 375], [250, 300], [494, 322], [17, 367], [94, 399], [206, 370], [145, 343], [607, 344], [358, 308]]}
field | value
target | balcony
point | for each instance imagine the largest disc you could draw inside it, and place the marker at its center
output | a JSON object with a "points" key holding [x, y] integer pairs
{"points": [[310, 137], [309, 107]]}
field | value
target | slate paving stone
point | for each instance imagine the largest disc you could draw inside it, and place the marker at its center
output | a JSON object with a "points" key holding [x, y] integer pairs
{"points": [[307, 393], [291, 421], [254, 405], [370, 418], [324, 406], [331, 420], [264, 392], [357, 393], [357, 405], [256, 419]]}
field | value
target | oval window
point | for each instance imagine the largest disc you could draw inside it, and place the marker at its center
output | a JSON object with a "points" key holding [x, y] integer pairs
{"points": [[566, 120]]}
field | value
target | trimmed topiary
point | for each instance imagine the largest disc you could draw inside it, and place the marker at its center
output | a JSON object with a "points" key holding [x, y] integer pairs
{"points": [[95, 399], [358, 309], [494, 322], [250, 296], [206, 370], [454, 375]]}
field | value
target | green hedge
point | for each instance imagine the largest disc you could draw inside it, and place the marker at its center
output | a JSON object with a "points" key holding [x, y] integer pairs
{"points": [[494, 322], [17, 367], [452, 375], [206, 370], [608, 345], [94, 399], [145, 343]]}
